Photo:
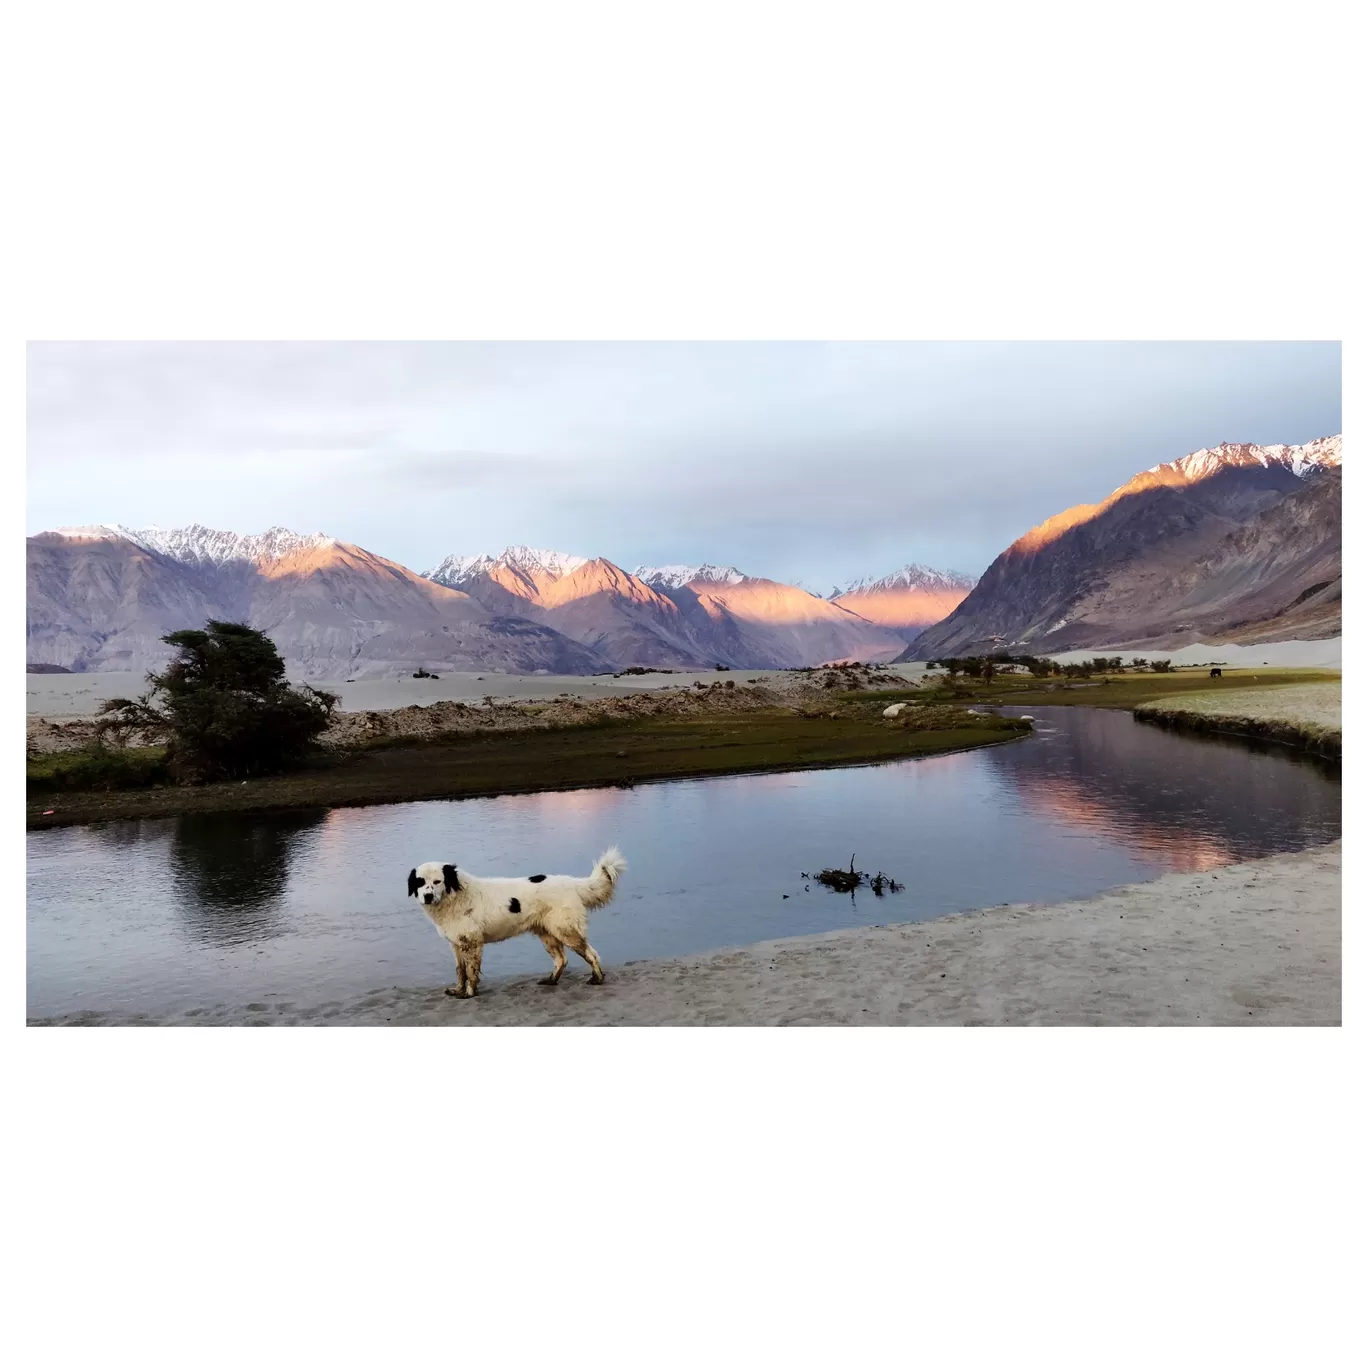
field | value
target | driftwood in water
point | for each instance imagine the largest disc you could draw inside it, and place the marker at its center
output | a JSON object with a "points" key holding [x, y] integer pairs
{"points": [[848, 880]]}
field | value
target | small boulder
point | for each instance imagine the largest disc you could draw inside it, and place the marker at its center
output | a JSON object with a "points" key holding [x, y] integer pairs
{"points": [[894, 709]]}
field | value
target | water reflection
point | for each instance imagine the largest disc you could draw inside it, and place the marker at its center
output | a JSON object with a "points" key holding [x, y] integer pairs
{"points": [[231, 871], [1193, 805]]}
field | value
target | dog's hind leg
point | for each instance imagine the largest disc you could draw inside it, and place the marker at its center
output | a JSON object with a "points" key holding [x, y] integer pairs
{"points": [[557, 952], [588, 954]]}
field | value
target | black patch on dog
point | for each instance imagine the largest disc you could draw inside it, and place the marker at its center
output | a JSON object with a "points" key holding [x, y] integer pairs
{"points": [[535, 878], [415, 883], [514, 906], [452, 882]]}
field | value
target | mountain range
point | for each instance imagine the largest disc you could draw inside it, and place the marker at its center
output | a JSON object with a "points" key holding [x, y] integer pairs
{"points": [[1234, 543], [101, 598]]}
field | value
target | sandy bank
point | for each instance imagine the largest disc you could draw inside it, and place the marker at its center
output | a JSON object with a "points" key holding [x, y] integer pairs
{"points": [[1251, 944], [79, 695], [1321, 655]]}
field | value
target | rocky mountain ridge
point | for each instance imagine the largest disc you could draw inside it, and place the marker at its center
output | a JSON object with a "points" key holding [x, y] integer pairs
{"points": [[98, 600], [1215, 545], [102, 597], [907, 601]]}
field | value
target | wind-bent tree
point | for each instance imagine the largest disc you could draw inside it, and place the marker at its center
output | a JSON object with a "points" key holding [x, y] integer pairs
{"points": [[223, 706]]}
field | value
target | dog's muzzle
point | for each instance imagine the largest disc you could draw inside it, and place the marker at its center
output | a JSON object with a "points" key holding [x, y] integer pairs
{"points": [[429, 898]]}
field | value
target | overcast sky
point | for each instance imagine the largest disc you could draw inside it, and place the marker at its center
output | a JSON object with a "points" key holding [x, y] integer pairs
{"points": [[804, 462]]}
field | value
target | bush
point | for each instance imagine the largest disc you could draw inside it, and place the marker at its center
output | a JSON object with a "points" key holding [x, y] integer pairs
{"points": [[97, 767], [1162, 666], [223, 707]]}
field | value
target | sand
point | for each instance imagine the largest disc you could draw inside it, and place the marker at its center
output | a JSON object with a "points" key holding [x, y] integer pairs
{"points": [[1304, 655], [62, 697], [1254, 944]]}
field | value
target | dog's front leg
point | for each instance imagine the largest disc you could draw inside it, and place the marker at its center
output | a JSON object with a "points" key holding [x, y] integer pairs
{"points": [[469, 952], [460, 989]]}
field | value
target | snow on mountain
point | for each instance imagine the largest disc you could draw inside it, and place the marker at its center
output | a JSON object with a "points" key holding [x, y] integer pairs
{"points": [[677, 576], [907, 601], [200, 545], [911, 576], [1323, 453], [526, 560]]}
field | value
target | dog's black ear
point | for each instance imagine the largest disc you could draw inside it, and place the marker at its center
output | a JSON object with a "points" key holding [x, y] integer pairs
{"points": [[452, 882], [415, 883]]}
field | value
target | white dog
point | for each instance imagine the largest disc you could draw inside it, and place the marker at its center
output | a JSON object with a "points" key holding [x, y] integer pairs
{"points": [[470, 911]]}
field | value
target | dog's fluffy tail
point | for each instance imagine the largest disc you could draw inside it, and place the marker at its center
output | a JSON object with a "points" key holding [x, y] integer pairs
{"points": [[598, 889]]}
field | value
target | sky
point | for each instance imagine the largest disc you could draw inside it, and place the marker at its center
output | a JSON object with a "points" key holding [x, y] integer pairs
{"points": [[813, 463]]}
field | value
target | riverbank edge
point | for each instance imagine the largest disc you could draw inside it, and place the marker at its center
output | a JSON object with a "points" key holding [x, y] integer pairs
{"points": [[1250, 944], [173, 803], [1326, 742]]}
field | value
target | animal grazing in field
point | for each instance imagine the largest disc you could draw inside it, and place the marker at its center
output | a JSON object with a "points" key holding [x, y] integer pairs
{"points": [[471, 911], [1216, 674]]}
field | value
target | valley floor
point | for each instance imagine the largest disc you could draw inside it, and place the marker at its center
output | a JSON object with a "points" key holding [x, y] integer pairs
{"points": [[1254, 944], [735, 723]]}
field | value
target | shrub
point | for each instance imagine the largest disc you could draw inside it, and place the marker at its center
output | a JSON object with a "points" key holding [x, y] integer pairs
{"points": [[1162, 666], [97, 767], [223, 707]]}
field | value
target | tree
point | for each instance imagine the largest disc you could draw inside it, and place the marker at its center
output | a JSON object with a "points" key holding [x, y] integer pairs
{"points": [[223, 706]]}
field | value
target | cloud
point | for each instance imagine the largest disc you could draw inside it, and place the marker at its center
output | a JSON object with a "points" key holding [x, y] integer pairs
{"points": [[812, 460]]}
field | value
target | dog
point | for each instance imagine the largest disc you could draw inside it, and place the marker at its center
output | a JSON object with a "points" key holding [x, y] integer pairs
{"points": [[471, 912]]}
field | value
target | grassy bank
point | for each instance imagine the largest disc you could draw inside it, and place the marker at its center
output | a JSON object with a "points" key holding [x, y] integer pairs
{"points": [[635, 750], [1308, 736], [1305, 715]]}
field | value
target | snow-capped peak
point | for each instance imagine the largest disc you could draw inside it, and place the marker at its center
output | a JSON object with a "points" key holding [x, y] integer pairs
{"points": [[1300, 460], [455, 570], [677, 576], [911, 576], [198, 545]]}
